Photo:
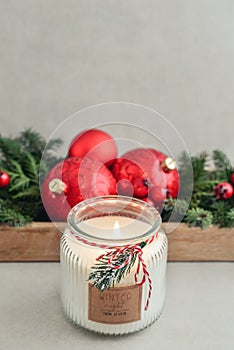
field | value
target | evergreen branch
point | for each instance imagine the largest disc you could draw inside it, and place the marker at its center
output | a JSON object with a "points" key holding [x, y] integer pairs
{"points": [[9, 149], [199, 163], [104, 275], [31, 192], [19, 181], [230, 217], [32, 142], [199, 217], [14, 218], [221, 160], [54, 144], [17, 168], [31, 168], [20, 184], [11, 215], [20, 157], [223, 213]]}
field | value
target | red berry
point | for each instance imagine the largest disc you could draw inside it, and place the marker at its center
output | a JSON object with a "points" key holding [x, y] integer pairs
{"points": [[4, 179], [95, 143], [223, 190]]}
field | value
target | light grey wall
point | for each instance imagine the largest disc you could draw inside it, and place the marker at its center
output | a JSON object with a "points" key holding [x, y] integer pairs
{"points": [[176, 56]]}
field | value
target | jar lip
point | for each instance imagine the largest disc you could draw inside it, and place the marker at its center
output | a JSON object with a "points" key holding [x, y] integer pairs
{"points": [[77, 231]]}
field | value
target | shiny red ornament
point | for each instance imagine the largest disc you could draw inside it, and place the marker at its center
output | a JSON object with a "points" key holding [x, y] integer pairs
{"points": [[131, 179], [145, 169], [158, 194], [72, 181], [223, 190], [4, 179], [125, 187], [170, 173], [95, 143]]}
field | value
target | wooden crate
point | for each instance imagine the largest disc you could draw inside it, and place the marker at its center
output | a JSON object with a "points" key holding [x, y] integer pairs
{"points": [[40, 242]]}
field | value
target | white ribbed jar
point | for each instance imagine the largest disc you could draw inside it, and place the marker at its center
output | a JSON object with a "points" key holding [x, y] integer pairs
{"points": [[91, 232]]}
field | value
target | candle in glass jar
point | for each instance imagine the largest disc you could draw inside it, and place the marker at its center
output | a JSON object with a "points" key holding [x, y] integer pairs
{"points": [[96, 230]]}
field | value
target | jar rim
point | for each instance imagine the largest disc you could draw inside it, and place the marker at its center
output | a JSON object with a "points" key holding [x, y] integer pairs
{"points": [[145, 207]]}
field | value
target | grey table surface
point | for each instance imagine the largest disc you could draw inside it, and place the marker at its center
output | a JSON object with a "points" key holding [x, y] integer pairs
{"points": [[198, 312]]}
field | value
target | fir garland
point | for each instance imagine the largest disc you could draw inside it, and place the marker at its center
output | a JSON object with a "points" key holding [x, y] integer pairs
{"points": [[20, 157], [20, 202]]}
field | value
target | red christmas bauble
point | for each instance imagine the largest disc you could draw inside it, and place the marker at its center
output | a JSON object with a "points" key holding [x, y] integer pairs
{"points": [[145, 169], [170, 173], [131, 179], [4, 179], [95, 143], [223, 190], [72, 181], [158, 194]]}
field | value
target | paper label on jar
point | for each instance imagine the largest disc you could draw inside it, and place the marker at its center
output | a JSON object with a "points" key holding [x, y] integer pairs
{"points": [[116, 305]]}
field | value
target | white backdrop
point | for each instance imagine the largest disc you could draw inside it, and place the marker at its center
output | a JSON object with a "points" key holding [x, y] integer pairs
{"points": [[175, 56]]}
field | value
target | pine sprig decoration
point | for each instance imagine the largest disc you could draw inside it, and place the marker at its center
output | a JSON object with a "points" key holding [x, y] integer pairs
{"points": [[199, 164], [14, 218], [105, 275], [221, 160], [31, 142], [223, 165], [199, 217], [223, 214], [11, 214], [230, 217], [21, 158], [19, 180]]}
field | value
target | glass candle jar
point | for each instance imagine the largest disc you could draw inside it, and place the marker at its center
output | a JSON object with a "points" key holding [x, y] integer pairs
{"points": [[113, 263]]}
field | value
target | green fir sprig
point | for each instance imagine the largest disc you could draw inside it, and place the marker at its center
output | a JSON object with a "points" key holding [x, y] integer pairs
{"points": [[103, 275], [199, 217]]}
